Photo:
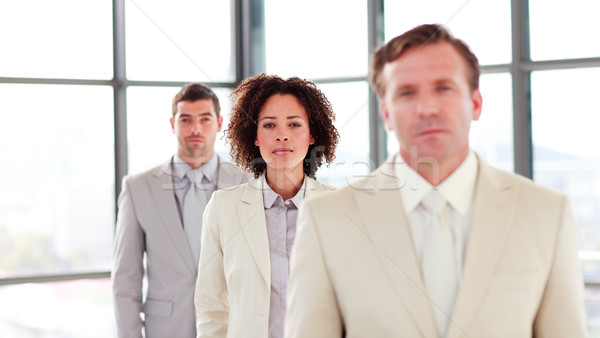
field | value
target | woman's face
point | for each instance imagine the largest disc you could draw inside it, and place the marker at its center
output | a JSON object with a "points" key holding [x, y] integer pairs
{"points": [[283, 134]]}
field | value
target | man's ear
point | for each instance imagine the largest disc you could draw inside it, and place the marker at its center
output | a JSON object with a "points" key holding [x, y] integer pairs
{"points": [[477, 101], [172, 125], [220, 122]]}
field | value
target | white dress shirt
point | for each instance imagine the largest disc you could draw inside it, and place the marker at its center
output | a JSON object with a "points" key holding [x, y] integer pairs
{"points": [[457, 189], [281, 218]]}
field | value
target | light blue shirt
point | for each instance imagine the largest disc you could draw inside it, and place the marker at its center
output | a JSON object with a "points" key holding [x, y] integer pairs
{"points": [[281, 217], [210, 169]]}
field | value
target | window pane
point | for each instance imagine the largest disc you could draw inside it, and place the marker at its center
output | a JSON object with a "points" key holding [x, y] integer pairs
{"points": [[66, 309], [483, 24], [564, 31], [150, 138], [492, 135], [57, 196], [592, 307], [303, 38], [179, 40], [350, 103], [565, 138], [56, 39]]}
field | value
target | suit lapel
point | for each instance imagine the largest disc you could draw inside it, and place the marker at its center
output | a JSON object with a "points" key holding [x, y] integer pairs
{"points": [[387, 227], [164, 197], [251, 214], [491, 224]]}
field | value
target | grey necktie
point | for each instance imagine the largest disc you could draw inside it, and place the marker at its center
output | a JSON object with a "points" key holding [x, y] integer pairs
{"points": [[438, 261], [193, 206]]}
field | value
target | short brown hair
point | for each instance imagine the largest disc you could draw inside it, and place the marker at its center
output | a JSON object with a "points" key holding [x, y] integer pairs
{"points": [[417, 37], [249, 98], [194, 92]]}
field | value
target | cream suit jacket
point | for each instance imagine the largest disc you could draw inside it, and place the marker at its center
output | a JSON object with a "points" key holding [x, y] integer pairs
{"points": [[354, 271], [149, 222], [234, 277]]}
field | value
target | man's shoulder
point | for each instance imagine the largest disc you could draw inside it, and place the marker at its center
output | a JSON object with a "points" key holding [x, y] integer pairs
{"points": [[158, 170], [332, 197], [524, 185], [143, 181], [230, 175]]}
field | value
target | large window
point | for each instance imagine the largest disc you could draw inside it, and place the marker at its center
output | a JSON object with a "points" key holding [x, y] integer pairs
{"points": [[85, 97], [183, 40], [56, 39]]}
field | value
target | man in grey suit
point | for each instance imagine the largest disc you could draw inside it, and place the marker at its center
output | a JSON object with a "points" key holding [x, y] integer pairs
{"points": [[159, 221]]}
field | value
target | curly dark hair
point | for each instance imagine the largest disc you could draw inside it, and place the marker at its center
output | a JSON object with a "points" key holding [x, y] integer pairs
{"points": [[249, 98]]}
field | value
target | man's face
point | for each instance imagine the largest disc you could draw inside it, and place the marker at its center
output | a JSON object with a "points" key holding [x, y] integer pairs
{"points": [[428, 103], [196, 126]]}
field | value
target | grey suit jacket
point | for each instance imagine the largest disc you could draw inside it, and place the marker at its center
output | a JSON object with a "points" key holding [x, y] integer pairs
{"points": [[354, 269], [148, 222]]}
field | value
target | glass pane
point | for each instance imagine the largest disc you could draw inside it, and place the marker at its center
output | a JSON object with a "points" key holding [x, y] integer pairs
{"points": [[303, 38], [565, 122], [56, 39], [65, 309], [592, 307], [150, 137], [350, 102], [57, 197], [492, 135], [483, 24], [564, 30], [179, 40]]}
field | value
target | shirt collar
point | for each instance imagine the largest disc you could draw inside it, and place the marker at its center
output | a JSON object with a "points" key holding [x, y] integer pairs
{"points": [[458, 188], [270, 196], [209, 168]]}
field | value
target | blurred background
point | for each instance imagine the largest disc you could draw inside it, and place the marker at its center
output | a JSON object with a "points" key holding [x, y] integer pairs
{"points": [[85, 98]]}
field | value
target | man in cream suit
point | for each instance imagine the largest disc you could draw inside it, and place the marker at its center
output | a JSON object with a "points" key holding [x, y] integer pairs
{"points": [[152, 238], [497, 258]]}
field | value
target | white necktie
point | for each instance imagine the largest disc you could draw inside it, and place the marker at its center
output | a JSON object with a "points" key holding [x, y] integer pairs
{"points": [[193, 206], [438, 261]]}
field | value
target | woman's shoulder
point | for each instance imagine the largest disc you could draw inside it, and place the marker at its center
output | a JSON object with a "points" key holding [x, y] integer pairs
{"points": [[231, 191]]}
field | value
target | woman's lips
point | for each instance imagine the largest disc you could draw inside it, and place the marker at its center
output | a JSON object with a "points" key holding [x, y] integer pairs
{"points": [[282, 151]]}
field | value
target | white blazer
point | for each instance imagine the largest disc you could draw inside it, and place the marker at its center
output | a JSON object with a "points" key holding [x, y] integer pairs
{"points": [[234, 276], [354, 271]]}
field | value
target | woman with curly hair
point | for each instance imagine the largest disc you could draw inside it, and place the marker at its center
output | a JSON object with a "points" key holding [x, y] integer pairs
{"points": [[281, 131]]}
